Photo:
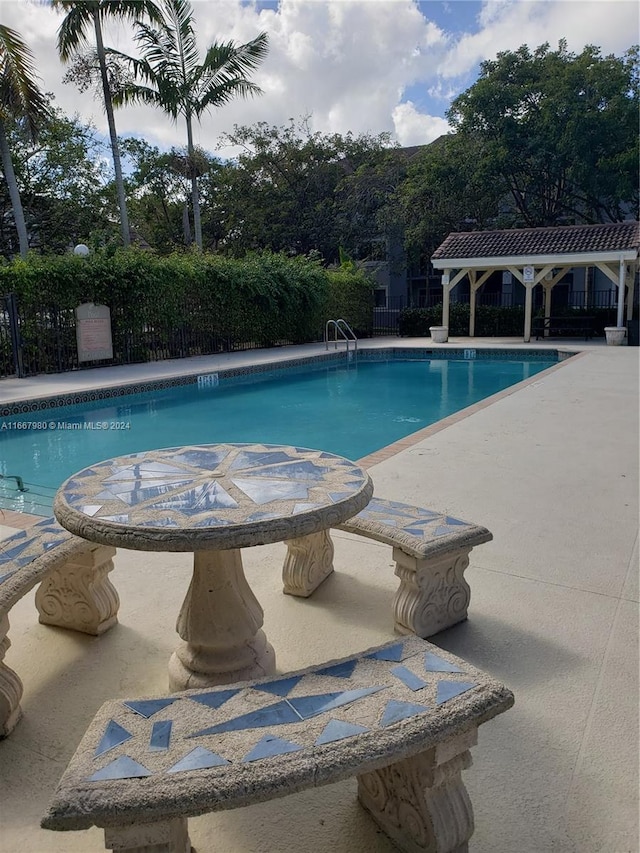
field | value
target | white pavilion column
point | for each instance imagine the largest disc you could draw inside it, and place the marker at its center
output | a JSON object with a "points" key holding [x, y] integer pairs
{"points": [[548, 284], [528, 310], [631, 276], [547, 287], [472, 303], [619, 280], [529, 284], [446, 292], [448, 284], [621, 277], [474, 287]]}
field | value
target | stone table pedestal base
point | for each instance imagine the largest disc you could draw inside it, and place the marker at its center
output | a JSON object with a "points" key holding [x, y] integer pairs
{"points": [[220, 624]]}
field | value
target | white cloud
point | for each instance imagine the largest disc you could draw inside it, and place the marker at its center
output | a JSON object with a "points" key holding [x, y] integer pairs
{"points": [[354, 65], [507, 24], [416, 128]]}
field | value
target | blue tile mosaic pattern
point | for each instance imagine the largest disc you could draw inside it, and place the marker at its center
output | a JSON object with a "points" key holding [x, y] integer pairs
{"points": [[377, 690], [160, 736], [415, 521], [114, 735], [210, 487], [123, 767], [413, 681], [269, 746], [198, 759], [339, 730], [24, 547]]}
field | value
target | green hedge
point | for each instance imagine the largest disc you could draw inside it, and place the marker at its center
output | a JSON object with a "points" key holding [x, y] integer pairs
{"points": [[491, 321], [601, 316], [183, 304], [350, 298]]}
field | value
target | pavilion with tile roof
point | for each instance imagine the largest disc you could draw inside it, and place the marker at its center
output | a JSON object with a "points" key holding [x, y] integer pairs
{"points": [[539, 256]]}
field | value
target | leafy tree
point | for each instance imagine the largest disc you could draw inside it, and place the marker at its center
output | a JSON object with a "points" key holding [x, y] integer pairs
{"points": [[282, 192], [449, 186], [175, 80], [64, 185], [160, 187], [367, 210], [21, 100], [559, 131], [82, 17]]}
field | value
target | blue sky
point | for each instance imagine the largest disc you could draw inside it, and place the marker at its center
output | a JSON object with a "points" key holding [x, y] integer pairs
{"points": [[365, 66]]}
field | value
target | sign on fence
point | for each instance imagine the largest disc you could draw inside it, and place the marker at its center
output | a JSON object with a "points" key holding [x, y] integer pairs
{"points": [[93, 332]]}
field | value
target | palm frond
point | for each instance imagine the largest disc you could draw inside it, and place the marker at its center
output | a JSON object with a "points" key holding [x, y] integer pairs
{"points": [[222, 75], [72, 33], [74, 30], [20, 94], [130, 10]]}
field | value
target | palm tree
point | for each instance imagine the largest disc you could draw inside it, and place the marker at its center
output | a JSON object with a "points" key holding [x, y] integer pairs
{"points": [[82, 16], [20, 98], [174, 80]]}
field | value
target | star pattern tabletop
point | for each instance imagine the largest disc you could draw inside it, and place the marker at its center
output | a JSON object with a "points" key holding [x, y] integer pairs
{"points": [[219, 495]]}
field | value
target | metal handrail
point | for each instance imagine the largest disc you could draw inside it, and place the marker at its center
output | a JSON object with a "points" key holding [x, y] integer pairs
{"points": [[19, 481], [341, 327]]}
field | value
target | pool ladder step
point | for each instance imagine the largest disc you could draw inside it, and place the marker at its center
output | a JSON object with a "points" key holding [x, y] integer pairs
{"points": [[344, 330]]}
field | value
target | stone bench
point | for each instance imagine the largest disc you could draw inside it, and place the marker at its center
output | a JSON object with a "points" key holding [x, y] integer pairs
{"points": [[74, 592], [401, 718], [431, 552]]}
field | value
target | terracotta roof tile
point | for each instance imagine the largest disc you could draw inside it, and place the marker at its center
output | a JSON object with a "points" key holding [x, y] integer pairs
{"points": [[613, 236]]}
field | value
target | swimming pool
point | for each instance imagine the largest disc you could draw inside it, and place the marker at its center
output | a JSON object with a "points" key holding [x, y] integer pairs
{"points": [[351, 410]]}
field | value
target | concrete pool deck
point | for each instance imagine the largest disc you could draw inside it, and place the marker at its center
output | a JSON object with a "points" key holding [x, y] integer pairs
{"points": [[551, 468]]}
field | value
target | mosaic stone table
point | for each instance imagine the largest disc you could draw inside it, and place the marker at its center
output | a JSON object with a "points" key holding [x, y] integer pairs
{"points": [[214, 500]]}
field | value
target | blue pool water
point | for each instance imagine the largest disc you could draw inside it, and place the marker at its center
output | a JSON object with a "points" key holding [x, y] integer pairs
{"points": [[351, 411]]}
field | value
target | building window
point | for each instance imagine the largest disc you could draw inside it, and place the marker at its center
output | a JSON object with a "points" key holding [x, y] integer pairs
{"points": [[380, 294]]}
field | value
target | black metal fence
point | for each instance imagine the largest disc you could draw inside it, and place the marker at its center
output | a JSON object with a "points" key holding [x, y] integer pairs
{"points": [[43, 340], [385, 319]]}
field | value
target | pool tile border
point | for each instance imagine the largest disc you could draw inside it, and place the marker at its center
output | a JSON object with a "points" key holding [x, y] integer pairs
{"points": [[240, 375]]}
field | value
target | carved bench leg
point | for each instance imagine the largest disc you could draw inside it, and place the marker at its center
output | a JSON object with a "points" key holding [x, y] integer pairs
{"points": [[79, 595], [167, 836], [433, 594], [10, 685], [309, 561], [421, 803]]}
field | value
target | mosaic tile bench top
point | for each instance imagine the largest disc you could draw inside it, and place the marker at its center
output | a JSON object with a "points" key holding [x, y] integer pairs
{"points": [[421, 532], [211, 496], [211, 749], [28, 554]]}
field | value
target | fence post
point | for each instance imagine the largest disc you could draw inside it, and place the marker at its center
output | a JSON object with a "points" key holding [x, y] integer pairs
{"points": [[14, 329]]}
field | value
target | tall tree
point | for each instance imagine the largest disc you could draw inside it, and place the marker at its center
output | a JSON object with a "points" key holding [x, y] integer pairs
{"points": [[450, 186], [172, 78], [65, 186], [284, 191], [22, 100], [559, 131], [73, 35], [161, 192]]}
